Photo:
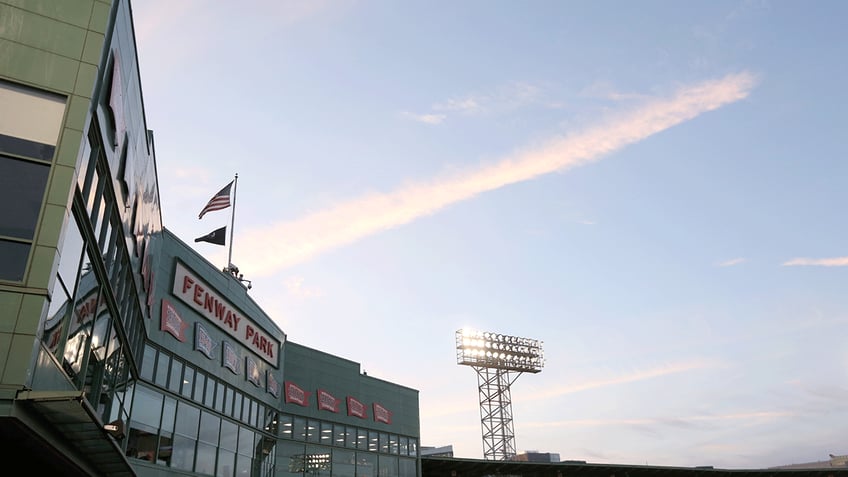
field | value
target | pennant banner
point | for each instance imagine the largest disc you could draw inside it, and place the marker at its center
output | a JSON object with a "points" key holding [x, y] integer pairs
{"points": [[218, 237]]}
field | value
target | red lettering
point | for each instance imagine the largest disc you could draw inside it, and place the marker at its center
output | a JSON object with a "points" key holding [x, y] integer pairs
{"points": [[249, 332], [209, 302], [187, 283], [219, 310], [198, 291]]}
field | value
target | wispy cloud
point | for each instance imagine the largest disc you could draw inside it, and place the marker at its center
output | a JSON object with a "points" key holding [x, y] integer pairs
{"points": [[425, 118], [626, 378], [636, 376], [732, 262], [294, 286], [605, 90], [302, 239], [506, 98], [817, 262], [685, 421]]}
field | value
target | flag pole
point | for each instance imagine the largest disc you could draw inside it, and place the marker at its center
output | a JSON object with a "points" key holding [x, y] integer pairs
{"points": [[232, 226]]}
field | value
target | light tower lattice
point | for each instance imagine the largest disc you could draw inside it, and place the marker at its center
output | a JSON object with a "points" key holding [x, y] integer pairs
{"points": [[498, 360]]}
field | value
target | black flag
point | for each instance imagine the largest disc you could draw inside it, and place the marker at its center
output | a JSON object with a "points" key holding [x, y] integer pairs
{"points": [[218, 237]]}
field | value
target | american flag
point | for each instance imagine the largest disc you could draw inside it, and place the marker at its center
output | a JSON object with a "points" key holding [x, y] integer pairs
{"points": [[219, 201]]}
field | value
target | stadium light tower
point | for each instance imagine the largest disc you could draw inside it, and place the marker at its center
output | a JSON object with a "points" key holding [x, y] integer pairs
{"points": [[499, 360]]}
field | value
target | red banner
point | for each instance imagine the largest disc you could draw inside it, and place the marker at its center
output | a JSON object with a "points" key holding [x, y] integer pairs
{"points": [[356, 408], [382, 414], [327, 401], [295, 395]]}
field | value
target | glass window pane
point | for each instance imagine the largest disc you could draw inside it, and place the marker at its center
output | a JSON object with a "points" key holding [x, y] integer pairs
{"points": [[226, 463], [350, 437], [406, 468], [317, 460], [199, 381], [291, 459], [388, 465], [362, 439], [188, 381], [286, 426], [147, 407], [13, 256], [237, 405], [219, 398], [243, 466], [229, 435], [169, 414], [210, 426], [299, 429], [344, 463], [326, 433], [366, 464], [162, 367], [228, 404], [254, 413], [141, 442], [182, 454], [373, 441], [148, 362], [166, 448], [205, 461], [69, 263], [22, 185], [312, 429], [246, 441], [176, 376], [187, 420]]}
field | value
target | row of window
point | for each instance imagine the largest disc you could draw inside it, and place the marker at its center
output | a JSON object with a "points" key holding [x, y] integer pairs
{"points": [[177, 434], [181, 378], [339, 435], [303, 459]]}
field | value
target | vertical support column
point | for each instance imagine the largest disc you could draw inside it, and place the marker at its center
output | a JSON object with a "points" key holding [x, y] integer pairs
{"points": [[496, 412]]}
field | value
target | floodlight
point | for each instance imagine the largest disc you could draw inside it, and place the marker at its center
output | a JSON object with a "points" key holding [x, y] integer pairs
{"points": [[498, 360], [473, 348]]}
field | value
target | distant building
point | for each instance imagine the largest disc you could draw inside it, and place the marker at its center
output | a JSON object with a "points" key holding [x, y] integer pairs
{"points": [[835, 461], [444, 451], [536, 456]]}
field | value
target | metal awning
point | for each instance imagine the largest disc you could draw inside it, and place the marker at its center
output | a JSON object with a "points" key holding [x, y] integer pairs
{"points": [[72, 416], [432, 466]]}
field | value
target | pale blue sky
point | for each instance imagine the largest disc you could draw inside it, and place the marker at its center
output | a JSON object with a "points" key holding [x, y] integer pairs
{"points": [[653, 189]]}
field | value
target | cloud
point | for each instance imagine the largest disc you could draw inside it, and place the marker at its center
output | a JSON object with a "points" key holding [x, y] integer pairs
{"points": [[732, 262], [455, 408], [817, 262], [686, 421], [605, 90], [294, 286], [302, 239], [627, 378], [425, 118], [506, 98]]}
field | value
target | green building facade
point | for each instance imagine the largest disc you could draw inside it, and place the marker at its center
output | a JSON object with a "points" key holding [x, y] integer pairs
{"points": [[122, 350]]}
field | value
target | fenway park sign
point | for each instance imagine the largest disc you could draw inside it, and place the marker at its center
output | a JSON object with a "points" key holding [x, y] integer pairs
{"points": [[195, 293]]}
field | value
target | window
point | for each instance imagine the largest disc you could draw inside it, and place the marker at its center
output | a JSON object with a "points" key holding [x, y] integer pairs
{"points": [[22, 185], [344, 463], [31, 131]]}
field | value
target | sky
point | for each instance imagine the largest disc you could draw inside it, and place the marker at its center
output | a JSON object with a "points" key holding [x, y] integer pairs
{"points": [[653, 189]]}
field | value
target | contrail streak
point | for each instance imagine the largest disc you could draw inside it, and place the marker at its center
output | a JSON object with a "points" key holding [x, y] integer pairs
{"points": [[268, 249]]}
